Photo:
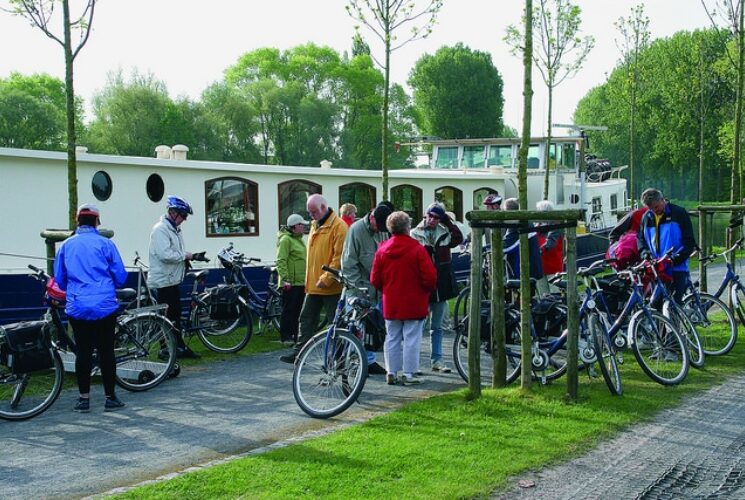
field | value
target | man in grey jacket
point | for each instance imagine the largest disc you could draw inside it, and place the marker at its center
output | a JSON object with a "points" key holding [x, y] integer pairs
{"points": [[360, 245], [168, 258]]}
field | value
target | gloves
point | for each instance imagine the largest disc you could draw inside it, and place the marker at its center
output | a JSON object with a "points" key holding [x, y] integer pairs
{"points": [[200, 256]]}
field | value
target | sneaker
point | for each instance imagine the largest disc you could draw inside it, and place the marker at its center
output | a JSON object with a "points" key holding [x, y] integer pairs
{"points": [[289, 358], [390, 379], [376, 369], [439, 366], [82, 406], [113, 404], [185, 352], [163, 355], [410, 380]]}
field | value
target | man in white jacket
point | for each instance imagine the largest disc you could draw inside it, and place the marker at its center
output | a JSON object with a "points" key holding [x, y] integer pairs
{"points": [[168, 258]]}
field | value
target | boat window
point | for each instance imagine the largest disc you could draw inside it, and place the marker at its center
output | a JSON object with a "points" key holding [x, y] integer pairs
{"points": [[447, 157], [474, 156], [452, 198], [232, 207], [101, 185], [359, 194], [293, 198], [480, 195], [534, 159], [566, 155], [614, 201], [155, 188], [408, 198], [500, 156]]}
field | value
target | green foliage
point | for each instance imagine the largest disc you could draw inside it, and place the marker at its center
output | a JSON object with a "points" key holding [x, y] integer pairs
{"points": [[458, 93]]}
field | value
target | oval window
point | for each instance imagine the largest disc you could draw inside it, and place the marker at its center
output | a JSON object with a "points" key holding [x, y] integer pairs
{"points": [[101, 185], [155, 188]]}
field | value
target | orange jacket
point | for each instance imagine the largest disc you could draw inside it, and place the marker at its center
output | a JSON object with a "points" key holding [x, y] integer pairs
{"points": [[325, 246]]}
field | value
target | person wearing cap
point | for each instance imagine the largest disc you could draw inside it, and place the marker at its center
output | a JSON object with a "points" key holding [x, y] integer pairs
{"points": [[360, 245], [291, 270], [493, 201], [168, 258], [322, 291], [89, 269], [438, 233]]}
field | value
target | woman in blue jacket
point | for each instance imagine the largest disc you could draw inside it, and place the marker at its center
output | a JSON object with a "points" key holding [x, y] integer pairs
{"points": [[89, 268]]}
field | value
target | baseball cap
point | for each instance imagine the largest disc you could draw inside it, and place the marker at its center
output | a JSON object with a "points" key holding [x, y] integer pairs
{"points": [[295, 219]]}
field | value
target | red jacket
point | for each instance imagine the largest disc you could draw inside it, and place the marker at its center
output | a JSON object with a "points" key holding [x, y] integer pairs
{"points": [[403, 271]]}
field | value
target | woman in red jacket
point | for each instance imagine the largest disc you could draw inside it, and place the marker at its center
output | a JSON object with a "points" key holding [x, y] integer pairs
{"points": [[403, 271]]}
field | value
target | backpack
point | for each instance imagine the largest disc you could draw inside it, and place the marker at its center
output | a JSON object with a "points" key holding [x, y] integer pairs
{"points": [[624, 252], [27, 347], [224, 303], [549, 316]]}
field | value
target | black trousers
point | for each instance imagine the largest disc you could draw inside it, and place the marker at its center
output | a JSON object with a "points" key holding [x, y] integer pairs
{"points": [[94, 334], [292, 302], [171, 296]]}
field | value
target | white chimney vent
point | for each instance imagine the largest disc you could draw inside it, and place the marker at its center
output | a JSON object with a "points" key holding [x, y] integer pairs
{"points": [[325, 164], [163, 152], [179, 152], [81, 149]]}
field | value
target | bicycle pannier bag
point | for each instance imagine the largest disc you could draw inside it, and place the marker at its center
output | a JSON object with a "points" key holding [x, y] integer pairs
{"points": [[27, 347], [224, 303], [548, 317], [373, 325]]}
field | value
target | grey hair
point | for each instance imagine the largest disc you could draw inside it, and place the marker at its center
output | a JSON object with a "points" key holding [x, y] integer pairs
{"points": [[398, 223], [544, 206], [348, 209], [651, 195], [511, 204]]}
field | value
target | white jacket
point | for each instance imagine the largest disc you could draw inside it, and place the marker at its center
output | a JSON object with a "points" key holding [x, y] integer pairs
{"points": [[167, 255]]}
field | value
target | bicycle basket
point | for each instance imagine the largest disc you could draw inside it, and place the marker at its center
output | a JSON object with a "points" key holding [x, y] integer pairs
{"points": [[224, 303], [26, 347]]}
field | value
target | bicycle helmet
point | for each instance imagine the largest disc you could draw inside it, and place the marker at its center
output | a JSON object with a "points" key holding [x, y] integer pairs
{"points": [[493, 199], [180, 205], [227, 257]]}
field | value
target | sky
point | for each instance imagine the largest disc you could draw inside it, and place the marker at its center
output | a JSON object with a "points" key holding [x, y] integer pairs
{"points": [[188, 44]]}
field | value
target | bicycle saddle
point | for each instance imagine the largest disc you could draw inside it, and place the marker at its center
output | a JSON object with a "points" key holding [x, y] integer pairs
{"points": [[198, 275], [126, 294]]}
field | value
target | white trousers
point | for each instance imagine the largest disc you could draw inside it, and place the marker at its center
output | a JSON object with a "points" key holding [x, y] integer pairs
{"points": [[403, 344]]}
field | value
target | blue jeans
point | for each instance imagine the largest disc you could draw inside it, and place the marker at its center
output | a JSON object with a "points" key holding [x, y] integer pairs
{"points": [[438, 310]]}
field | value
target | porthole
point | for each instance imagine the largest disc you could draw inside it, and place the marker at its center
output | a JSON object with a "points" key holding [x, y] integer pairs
{"points": [[155, 188], [101, 185], [574, 199]]}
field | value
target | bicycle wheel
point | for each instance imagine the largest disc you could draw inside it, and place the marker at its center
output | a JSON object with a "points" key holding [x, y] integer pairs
{"points": [[224, 336], [27, 395], [460, 355], [145, 351], [714, 322], [737, 298], [658, 347], [606, 354], [687, 332], [330, 373]]}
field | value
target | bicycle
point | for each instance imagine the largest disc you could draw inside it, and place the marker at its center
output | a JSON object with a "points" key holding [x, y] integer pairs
{"points": [[141, 337], [331, 368]]}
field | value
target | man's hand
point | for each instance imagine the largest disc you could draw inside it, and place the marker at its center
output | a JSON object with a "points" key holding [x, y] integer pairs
{"points": [[188, 256], [320, 284], [286, 285]]}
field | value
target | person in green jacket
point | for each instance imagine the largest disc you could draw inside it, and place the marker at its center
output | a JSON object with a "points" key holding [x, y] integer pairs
{"points": [[291, 256]]}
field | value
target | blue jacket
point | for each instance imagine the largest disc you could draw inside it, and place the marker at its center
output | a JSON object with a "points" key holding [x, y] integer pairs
{"points": [[89, 268], [512, 254], [676, 231]]}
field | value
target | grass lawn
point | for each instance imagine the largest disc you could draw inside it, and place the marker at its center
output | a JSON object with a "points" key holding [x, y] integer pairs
{"points": [[447, 446]]}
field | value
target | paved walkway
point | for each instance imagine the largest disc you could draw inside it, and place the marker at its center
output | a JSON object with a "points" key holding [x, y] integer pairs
{"points": [[694, 451], [209, 412]]}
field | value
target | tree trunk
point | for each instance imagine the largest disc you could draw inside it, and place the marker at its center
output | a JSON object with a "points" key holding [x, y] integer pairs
{"points": [[386, 97], [547, 155], [526, 375], [72, 169]]}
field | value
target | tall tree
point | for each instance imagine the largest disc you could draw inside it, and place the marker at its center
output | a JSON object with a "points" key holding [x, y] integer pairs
{"points": [[560, 53], [731, 15], [385, 18], [458, 93], [41, 14], [634, 31]]}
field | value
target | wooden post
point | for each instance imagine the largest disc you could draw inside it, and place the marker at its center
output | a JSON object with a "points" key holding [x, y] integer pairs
{"points": [[573, 315], [474, 315], [702, 239], [53, 236], [526, 366], [499, 349]]}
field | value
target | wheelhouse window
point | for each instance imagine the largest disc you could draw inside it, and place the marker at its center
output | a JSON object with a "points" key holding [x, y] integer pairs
{"points": [[614, 201], [500, 156], [101, 185], [534, 158], [447, 157], [474, 156], [293, 198], [359, 194], [480, 195], [566, 155], [408, 198], [232, 207], [452, 198]]}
